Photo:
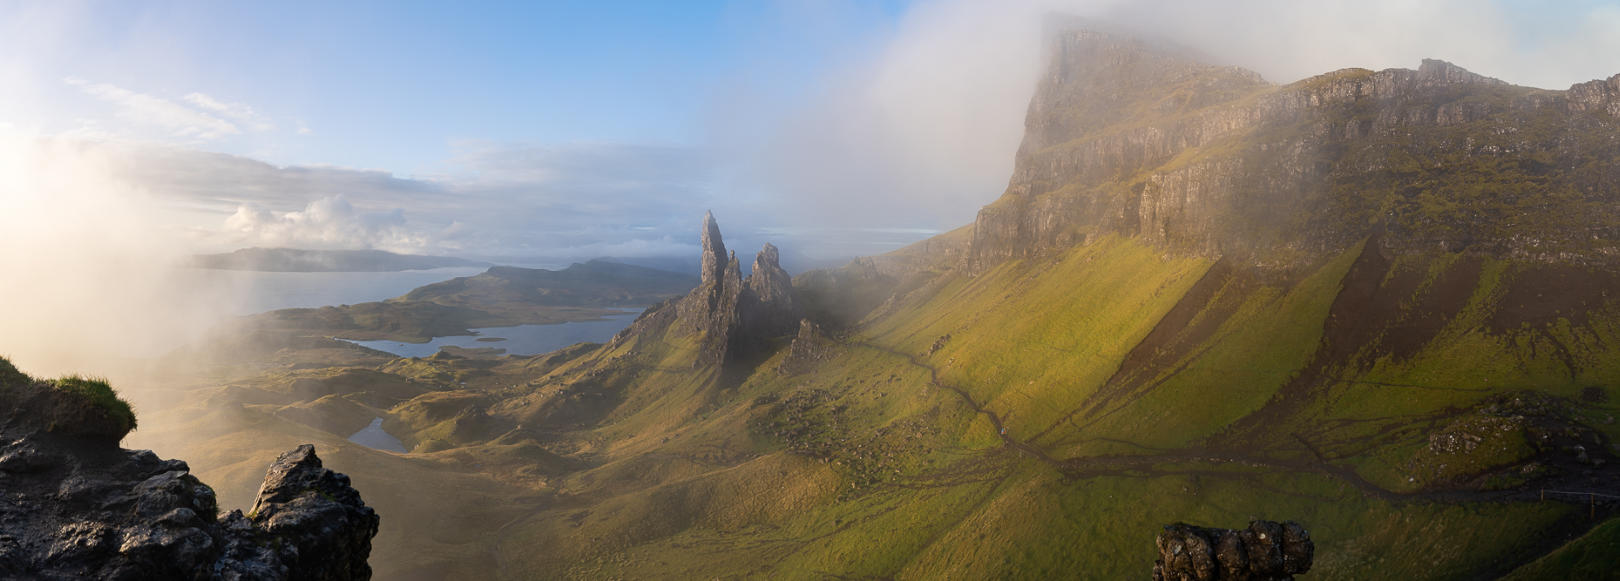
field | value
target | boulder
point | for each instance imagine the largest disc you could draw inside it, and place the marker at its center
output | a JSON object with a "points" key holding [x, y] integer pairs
{"points": [[1265, 551]]}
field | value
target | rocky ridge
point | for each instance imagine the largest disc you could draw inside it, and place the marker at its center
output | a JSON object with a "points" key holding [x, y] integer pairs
{"points": [[77, 506], [1125, 137], [732, 316]]}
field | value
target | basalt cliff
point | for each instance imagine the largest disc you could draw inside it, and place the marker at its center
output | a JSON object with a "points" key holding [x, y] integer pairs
{"points": [[76, 506], [1126, 137]]}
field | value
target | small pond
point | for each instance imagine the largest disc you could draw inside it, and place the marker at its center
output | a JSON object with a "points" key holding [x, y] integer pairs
{"points": [[373, 436]]}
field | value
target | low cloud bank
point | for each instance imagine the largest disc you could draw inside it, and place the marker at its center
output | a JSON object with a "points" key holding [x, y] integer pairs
{"points": [[89, 263]]}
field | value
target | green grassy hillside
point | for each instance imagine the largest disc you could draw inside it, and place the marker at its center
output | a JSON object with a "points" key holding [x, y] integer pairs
{"points": [[1402, 407], [1136, 390]]}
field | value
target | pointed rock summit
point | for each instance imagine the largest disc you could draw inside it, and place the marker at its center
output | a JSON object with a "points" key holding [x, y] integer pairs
{"points": [[730, 315], [714, 249]]}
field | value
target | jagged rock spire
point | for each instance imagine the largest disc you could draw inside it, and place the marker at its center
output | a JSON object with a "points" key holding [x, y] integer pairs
{"points": [[714, 249], [711, 308], [733, 317]]}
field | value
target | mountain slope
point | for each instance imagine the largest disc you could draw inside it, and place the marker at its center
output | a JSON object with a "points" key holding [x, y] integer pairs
{"points": [[927, 477], [1255, 348], [1373, 303]]}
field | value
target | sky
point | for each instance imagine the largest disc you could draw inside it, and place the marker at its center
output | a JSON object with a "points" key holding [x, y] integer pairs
{"points": [[553, 131], [133, 134]]}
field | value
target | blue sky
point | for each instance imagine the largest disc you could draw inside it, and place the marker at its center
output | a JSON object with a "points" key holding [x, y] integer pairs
{"points": [[566, 130], [393, 84]]}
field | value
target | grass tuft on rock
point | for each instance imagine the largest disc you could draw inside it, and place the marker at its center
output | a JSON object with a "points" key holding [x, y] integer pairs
{"points": [[100, 394]]}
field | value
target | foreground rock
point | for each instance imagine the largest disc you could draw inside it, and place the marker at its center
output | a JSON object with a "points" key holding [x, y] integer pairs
{"points": [[1266, 551], [76, 506]]}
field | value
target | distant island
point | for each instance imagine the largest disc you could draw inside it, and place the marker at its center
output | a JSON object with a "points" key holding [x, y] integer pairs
{"points": [[300, 260]]}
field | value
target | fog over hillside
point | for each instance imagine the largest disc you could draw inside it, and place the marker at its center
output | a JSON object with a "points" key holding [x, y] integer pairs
{"points": [[90, 264]]}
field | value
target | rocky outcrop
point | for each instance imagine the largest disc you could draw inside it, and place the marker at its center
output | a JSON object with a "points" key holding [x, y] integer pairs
{"points": [[710, 310], [808, 349], [732, 317], [766, 307], [323, 527], [1266, 551], [714, 260], [1127, 138], [79, 507]]}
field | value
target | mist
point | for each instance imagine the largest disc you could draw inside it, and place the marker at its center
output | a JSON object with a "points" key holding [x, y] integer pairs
{"points": [[920, 131], [91, 265]]}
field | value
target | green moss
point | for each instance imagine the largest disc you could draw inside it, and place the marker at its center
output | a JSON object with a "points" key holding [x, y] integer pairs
{"points": [[98, 393]]}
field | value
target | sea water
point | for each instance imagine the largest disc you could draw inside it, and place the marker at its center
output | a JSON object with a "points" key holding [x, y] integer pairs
{"points": [[516, 340]]}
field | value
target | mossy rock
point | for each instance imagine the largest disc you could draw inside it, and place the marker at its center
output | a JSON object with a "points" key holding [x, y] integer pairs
{"points": [[95, 410], [71, 405]]}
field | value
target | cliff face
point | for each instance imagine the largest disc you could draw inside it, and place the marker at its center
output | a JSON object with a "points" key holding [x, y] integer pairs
{"points": [[79, 507], [1126, 138]]}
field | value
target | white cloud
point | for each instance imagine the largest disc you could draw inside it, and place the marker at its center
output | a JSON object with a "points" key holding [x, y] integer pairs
{"points": [[147, 110], [567, 201], [238, 111], [326, 223], [194, 117]]}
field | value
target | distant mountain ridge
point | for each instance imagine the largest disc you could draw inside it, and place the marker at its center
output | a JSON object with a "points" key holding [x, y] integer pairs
{"points": [[593, 283], [499, 296], [303, 260]]}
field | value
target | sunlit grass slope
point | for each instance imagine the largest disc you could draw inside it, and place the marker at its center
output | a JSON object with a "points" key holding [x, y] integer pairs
{"points": [[1031, 339], [1150, 389], [1402, 407]]}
